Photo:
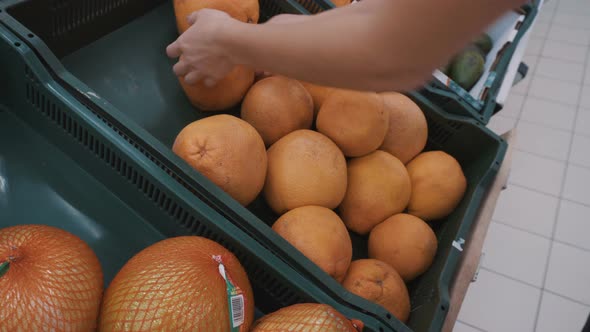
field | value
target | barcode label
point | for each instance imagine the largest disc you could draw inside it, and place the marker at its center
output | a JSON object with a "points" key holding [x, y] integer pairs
{"points": [[237, 310]]}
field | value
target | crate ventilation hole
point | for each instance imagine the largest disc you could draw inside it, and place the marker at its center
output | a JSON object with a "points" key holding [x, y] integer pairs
{"points": [[437, 134], [68, 15], [60, 118]]}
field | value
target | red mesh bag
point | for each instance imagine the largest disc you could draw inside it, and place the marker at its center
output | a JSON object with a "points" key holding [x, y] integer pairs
{"points": [[50, 280], [176, 285], [306, 317]]}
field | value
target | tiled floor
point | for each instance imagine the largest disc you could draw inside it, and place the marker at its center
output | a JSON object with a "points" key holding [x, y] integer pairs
{"points": [[535, 274]]}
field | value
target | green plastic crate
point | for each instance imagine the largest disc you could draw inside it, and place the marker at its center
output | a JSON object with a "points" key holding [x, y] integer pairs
{"points": [[453, 98], [61, 165], [134, 90], [456, 100]]}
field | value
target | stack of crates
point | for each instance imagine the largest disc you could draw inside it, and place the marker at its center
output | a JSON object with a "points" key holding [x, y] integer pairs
{"points": [[91, 95]]}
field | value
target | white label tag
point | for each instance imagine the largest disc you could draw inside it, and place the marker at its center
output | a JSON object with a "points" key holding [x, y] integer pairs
{"points": [[234, 295], [237, 310], [459, 244]]}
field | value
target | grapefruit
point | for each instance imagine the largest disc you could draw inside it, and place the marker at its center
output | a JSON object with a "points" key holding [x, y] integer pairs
{"points": [[305, 317], [177, 285], [304, 168], [378, 187], [408, 130], [320, 235], [228, 151], [406, 243], [227, 93], [230, 90], [49, 280], [242, 10], [318, 93], [356, 121], [340, 3], [337, 3], [276, 106], [380, 283], [438, 185]]}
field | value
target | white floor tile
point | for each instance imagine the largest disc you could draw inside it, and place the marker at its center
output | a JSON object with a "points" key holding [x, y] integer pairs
{"points": [[531, 60], [559, 314], [526, 209], [534, 46], [540, 29], [550, 6], [549, 113], [513, 105], [560, 70], [583, 122], [572, 20], [496, 303], [545, 16], [585, 100], [569, 34], [544, 141], [500, 124], [569, 272], [577, 185], [580, 153], [560, 91], [522, 87], [516, 253], [538, 173], [573, 224], [460, 327], [580, 7], [564, 51]]}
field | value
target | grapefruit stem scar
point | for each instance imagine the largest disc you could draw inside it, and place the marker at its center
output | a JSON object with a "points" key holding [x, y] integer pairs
{"points": [[4, 268]]}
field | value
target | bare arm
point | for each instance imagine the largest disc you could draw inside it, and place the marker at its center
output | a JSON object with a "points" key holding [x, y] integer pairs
{"points": [[378, 45]]}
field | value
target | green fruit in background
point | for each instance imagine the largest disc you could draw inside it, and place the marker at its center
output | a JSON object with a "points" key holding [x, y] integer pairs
{"points": [[484, 42], [475, 48], [445, 68], [467, 68]]}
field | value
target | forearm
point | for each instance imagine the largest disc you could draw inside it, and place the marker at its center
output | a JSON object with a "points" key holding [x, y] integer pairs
{"points": [[374, 45]]}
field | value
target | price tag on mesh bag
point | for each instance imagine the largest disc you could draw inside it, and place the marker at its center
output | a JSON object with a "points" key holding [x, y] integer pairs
{"points": [[235, 298]]}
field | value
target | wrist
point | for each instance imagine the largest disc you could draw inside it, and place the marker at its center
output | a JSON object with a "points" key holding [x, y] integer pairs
{"points": [[228, 39]]}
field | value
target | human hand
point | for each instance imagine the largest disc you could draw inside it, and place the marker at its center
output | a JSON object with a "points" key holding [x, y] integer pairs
{"points": [[287, 18], [202, 56], [279, 19]]}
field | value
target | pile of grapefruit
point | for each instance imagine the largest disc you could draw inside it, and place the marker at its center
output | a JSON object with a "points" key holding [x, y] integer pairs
{"points": [[330, 161], [50, 279], [327, 161]]}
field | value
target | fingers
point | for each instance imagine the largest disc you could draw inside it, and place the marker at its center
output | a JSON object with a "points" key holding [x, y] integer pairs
{"points": [[173, 50], [181, 68], [193, 77], [210, 82]]}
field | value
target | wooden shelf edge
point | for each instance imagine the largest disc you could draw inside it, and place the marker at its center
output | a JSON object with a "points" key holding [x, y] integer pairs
{"points": [[469, 263]]}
